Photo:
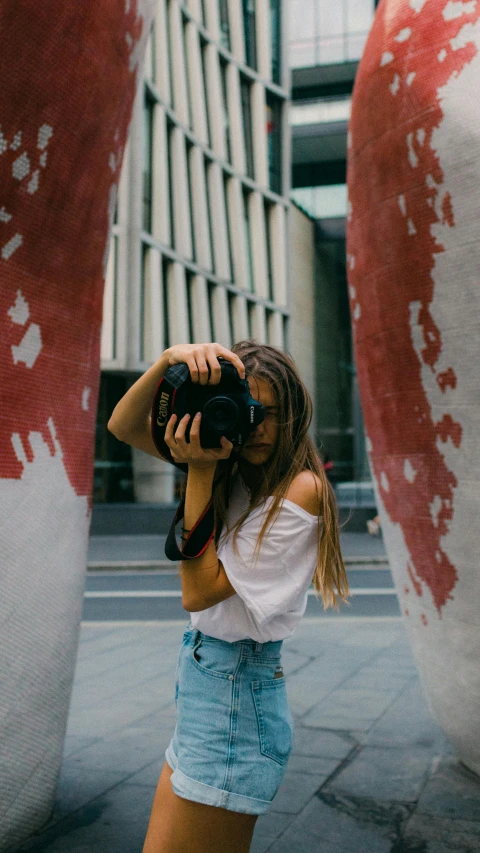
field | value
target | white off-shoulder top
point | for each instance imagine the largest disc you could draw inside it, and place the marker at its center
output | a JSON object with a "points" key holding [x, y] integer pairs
{"points": [[271, 587]]}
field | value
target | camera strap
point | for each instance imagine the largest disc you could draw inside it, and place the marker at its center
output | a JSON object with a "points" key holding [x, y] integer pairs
{"points": [[199, 537]]}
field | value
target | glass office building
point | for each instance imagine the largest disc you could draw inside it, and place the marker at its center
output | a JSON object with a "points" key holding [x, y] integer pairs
{"points": [[326, 41], [199, 242]]}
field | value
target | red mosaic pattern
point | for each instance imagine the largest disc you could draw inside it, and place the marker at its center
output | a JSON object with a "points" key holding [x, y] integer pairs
{"points": [[396, 193], [68, 82]]}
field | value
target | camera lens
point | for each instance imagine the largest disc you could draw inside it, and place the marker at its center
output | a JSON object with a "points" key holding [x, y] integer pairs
{"points": [[221, 414]]}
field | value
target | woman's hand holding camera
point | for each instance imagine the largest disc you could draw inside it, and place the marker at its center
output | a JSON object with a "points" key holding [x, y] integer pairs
{"points": [[192, 453], [202, 361]]}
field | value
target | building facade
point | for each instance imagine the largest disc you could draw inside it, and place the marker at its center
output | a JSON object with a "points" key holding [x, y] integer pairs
{"points": [[326, 41], [200, 233]]}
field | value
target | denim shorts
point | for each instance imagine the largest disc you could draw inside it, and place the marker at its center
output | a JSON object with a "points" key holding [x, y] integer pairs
{"points": [[234, 729]]}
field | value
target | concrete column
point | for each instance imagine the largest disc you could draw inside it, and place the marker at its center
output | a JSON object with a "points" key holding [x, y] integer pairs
{"points": [[259, 244], [237, 143], [197, 85], [240, 319], [259, 133], [239, 247], [200, 311], [219, 222], [201, 221], [179, 75], [275, 329], [181, 200], [162, 70], [153, 339], [237, 38], [259, 326], [160, 207], [264, 44], [221, 325], [177, 305], [153, 479], [215, 101], [278, 240]]}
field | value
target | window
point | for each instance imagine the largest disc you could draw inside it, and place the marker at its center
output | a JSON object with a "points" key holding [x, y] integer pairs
{"points": [[249, 31], [190, 307], [247, 125], [248, 241], [210, 219], [165, 273], [225, 113], [324, 202], [211, 288], [148, 108], [275, 31], [273, 117], [231, 310], [149, 62], [323, 32], [269, 251], [224, 24], [229, 230]]}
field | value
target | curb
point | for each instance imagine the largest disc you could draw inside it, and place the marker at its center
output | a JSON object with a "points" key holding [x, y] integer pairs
{"points": [[168, 566]]}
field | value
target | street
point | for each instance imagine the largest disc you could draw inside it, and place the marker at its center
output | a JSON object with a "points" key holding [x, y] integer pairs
{"points": [[156, 595]]}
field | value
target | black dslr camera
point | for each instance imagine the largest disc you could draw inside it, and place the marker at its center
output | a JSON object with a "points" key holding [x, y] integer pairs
{"points": [[227, 408]]}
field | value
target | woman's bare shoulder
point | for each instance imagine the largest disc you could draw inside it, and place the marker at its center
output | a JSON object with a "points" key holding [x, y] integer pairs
{"points": [[306, 491]]}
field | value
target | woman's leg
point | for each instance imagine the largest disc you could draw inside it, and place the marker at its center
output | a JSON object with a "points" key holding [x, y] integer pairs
{"points": [[183, 826]]}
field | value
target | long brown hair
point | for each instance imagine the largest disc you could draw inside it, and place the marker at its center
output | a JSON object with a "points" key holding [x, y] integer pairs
{"points": [[294, 452]]}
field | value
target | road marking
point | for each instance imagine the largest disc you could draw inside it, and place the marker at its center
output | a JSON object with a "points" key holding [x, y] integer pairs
{"points": [[165, 623], [177, 593], [135, 593]]}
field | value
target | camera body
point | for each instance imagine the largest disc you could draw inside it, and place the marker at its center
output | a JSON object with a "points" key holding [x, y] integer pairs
{"points": [[227, 408]]}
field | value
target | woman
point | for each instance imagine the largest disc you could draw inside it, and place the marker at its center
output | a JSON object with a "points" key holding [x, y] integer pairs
{"points": [[276, 529]]}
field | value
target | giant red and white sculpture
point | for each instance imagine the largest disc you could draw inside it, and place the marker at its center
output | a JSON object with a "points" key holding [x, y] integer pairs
{"points": [[69, 73], [413, 267]]}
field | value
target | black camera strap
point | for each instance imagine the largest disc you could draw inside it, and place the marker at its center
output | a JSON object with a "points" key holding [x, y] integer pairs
{"points": [[199, 537]]}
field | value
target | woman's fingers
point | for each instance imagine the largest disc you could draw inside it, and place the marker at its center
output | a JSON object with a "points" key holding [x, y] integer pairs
{"points": [[214, 364], [201, 357], [169, 436], [203, 372], [193, 367], [180, 431], [231, 356]]}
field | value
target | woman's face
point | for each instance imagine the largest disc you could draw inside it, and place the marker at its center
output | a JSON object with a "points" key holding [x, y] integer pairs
{"points": [[262, 441]]}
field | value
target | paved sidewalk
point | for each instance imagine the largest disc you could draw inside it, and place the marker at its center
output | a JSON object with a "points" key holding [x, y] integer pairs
{"points": [[370, 771]]}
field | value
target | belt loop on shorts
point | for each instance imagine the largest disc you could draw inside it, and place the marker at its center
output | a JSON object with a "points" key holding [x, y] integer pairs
{"points": [[258, 648], [195, 635]]}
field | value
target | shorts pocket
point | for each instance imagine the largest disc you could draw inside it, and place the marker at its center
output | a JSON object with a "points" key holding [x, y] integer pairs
{"points": [[213, 659], [274, 718]]}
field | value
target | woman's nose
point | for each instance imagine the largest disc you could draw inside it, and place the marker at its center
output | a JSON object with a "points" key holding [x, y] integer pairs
{"points": [[259, 430]]}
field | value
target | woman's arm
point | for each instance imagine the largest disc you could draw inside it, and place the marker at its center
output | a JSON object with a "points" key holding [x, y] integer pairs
{"points": [[130, 419], [204, 581]]}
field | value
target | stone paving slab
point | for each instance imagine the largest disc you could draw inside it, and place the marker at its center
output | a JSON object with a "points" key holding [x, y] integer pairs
{"points": [[370, 771]]}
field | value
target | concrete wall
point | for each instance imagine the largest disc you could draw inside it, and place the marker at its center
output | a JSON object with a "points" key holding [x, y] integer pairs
{"points": [[301, 236]]}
